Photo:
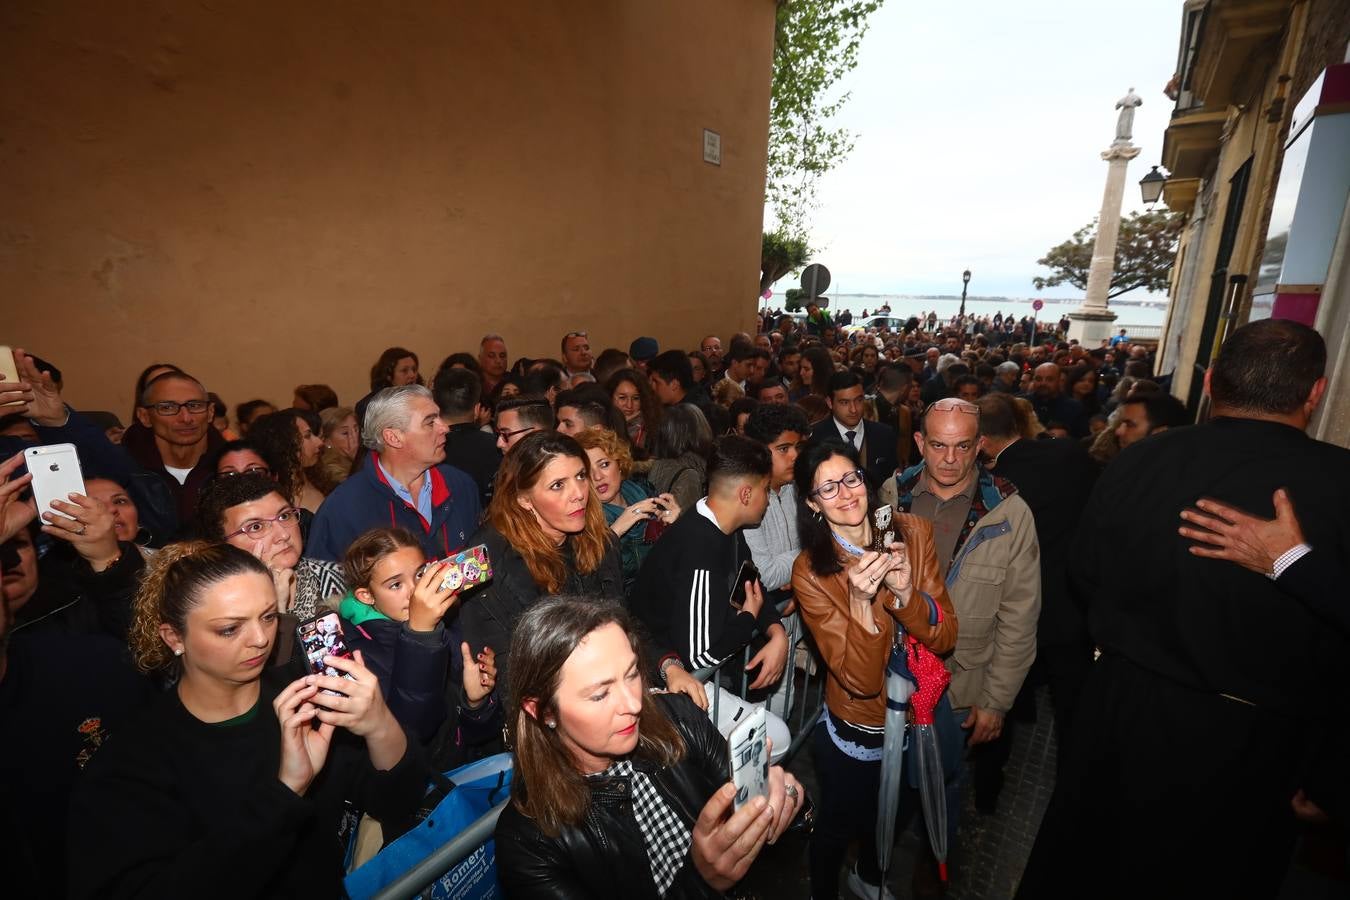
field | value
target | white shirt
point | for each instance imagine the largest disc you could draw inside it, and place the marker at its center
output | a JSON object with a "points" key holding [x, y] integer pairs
{"points": [[180, 474], [857, 433]]}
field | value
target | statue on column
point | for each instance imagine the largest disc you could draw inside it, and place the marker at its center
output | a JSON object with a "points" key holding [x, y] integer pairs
{"points": [[1125, 124]]}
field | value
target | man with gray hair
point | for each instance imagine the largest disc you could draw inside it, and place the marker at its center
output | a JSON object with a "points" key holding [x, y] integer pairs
{"points": [[402, 483]]}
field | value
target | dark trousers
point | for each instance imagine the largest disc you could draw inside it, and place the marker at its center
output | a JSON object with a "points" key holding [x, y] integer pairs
{"points": [[1168, 791], [1064, 668], [846, 810]]}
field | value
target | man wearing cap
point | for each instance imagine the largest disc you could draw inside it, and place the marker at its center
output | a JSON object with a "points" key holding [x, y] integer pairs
{"points": [[641, 351]]}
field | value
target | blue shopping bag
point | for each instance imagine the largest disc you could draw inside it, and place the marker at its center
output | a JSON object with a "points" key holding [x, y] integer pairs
{"points": [[477, 788]]}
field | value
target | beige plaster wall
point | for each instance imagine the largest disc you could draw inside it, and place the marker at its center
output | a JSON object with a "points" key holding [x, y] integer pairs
{"points": [[271, 193]]}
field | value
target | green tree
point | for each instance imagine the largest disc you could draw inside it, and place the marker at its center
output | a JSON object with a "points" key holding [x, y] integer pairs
{"points": [[815, 44], [1145, 251], [782, 253]]}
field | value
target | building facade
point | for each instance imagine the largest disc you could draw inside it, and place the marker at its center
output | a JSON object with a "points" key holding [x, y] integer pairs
{"points": [[269, 194], [1262, 110]]}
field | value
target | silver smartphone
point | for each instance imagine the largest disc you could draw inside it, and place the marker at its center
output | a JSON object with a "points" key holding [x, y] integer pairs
{"points": [[748, 746], [56, 475]]}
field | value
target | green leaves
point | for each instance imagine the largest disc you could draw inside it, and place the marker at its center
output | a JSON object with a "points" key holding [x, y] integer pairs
{"points": [[815, 44], [782, 252], [1145, 251]]}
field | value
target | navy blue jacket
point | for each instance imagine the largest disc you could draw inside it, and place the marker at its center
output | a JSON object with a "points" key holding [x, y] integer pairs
{"points": [[365, 501]]}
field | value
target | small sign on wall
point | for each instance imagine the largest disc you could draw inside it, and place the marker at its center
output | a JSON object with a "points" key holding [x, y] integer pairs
{"points": [[712, 147]]}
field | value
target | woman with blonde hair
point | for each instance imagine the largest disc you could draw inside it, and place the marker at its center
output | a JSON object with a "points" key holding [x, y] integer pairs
{"points": [[236, 763], [636, 514], [341, 444]]}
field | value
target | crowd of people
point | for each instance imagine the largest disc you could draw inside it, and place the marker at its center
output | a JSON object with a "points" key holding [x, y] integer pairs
{"points": [[1054, 519]]}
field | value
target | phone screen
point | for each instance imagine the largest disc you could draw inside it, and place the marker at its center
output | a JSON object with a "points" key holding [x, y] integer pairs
{"points": [[320, 637], [748, 572]]}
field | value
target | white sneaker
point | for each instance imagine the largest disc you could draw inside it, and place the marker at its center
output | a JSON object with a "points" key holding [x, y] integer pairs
{"points": [[731, 709], [862, 889]]}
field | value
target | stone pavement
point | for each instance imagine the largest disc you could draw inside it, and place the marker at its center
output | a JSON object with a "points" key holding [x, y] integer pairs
{"points": [[992, 848]]}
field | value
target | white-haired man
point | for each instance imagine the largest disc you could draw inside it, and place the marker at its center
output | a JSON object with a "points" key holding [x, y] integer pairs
{"points": [[402, 483]]}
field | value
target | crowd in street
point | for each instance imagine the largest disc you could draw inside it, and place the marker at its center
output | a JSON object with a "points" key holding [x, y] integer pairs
{"points": [[979, 499]]}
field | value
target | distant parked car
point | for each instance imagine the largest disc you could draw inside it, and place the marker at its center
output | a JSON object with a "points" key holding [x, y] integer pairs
{"points": [[894, 324]]}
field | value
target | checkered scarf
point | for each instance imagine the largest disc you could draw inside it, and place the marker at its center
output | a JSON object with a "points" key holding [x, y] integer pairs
{"points": [[666, 836]]}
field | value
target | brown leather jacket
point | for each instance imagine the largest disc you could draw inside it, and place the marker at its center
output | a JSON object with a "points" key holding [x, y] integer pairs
{"points": [[855, 683]]}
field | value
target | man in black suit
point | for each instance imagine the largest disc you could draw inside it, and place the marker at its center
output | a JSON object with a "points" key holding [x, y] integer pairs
{"points": [[1052, 404], [1215, 686], [458, 393], [874, 442], [1055, 478]]}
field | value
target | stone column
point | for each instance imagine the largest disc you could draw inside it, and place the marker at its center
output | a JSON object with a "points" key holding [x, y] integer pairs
{"points": [[1092, 322]]}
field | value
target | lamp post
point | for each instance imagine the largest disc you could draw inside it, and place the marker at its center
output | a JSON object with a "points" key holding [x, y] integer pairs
{"points": [[965, 280], [1151, 186]]}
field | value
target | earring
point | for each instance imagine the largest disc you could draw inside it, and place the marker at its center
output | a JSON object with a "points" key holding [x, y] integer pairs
{"points": [[178, 651], [551, 723], [820, 517]]}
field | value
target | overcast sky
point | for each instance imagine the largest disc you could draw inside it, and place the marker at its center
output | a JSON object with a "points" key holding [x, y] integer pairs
{"points": [[978, 133]]}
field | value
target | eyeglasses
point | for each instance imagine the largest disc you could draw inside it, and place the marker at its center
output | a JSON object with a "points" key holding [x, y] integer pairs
{"points": [[952, 404], [251, 470], [168, 408], [572, 334], [507, 435], [258, 528], [830, 489]]}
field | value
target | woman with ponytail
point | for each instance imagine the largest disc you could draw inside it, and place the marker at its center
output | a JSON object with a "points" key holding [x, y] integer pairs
{"points": [[235, 782]]}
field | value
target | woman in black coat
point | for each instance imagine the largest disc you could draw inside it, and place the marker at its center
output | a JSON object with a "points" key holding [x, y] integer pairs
{"points": [[617, 792]]}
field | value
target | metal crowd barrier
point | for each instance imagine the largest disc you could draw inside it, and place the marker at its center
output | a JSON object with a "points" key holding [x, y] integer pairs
{"points": [[802, 705]]}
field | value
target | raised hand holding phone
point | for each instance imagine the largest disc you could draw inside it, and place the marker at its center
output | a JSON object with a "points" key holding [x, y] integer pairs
{"points": [[304, 748], [359, 708], [432, 598]]}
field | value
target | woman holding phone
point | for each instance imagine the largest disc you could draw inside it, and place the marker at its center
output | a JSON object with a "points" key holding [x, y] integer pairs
{"points": [[545, 534], [852, 599], [630, 506], [238, 782], [618, 792]]}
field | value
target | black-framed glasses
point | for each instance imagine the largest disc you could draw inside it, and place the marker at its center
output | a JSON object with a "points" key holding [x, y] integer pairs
{"points": [[251, 470], [507, 435], [830, 489], [258, 528], [168, 408]]}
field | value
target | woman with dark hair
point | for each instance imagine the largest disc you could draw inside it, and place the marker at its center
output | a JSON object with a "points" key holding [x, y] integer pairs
{"points": [[865, 361], [507, 388], [395, 368], [632, 395], [739, 412], [314, 397], [248, 412], [546, 534], [617, 792], [251, 512], [853, 600], [461, 361], [236, 762], [813, 374], [680, 450], [1080, 383], [291, 441]]}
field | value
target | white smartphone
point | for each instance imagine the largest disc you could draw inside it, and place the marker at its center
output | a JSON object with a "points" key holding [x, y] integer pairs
{"points": [[56, 475], [747, 745], [9, 373]]}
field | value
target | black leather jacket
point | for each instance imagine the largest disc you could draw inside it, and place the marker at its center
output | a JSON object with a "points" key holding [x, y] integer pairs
{"points": [[604, 856]]}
